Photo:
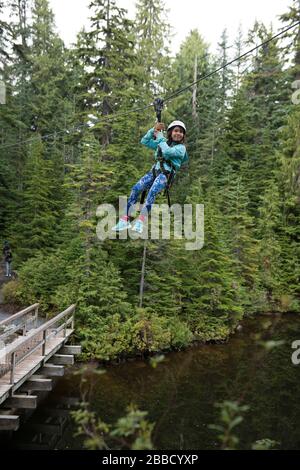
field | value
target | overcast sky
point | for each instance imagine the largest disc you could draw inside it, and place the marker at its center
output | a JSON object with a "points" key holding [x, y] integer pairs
{"points": [[210, 17]]}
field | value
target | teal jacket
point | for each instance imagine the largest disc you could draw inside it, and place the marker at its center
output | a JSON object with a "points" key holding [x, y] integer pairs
{"points": [[176, 153]]}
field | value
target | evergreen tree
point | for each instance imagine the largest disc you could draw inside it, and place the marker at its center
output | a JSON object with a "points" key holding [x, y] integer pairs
{"points": [[33, 228], [288, 175], [210, 288], [269, 245], [152, 42], [290, 18], [106, 51]]}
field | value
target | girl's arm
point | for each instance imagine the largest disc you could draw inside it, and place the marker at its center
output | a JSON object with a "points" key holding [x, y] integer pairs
{"points": [[149, 141], [172, 153]]}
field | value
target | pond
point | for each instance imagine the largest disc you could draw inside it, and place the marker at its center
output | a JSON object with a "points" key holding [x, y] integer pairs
{"points": [[180, 393]]}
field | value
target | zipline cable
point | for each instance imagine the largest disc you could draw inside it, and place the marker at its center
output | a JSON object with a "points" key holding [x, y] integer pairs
{"points": [[109, 117], [181, 90]]}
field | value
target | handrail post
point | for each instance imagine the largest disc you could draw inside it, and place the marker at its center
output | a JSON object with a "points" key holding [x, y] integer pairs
{"points": [[73, 318], [44, 342], [25, 326], [36, 312], [12, 363]]}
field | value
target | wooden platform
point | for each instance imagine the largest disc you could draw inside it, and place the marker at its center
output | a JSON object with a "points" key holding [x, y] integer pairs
{"points": [[29, 366], [20, 322], [34, 352]]}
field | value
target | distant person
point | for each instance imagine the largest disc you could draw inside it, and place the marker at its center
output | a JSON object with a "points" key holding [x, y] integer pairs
{"points": [[7, 258], [6, 247]]}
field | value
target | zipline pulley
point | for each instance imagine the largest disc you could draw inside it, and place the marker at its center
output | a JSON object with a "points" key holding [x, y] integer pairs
{"points": [[158, 106]]}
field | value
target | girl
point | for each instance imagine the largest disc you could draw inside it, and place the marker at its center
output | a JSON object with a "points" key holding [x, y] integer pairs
{"points": [[173, 153]]}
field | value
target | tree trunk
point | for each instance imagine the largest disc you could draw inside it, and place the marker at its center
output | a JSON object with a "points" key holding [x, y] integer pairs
{"points": [[143, 274]]}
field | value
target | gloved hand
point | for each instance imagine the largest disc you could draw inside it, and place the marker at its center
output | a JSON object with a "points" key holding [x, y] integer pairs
{"points": [[159, 126]]}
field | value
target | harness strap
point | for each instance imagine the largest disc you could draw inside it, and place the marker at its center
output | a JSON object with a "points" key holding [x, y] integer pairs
{"points": [[170, 178], [169, 175]]}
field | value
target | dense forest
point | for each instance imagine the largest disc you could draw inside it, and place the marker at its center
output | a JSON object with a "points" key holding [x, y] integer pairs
{"points": [[62, 154]]}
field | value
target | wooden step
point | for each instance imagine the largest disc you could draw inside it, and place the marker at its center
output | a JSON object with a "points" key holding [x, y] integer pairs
{"points": [[52, 370], [21, 401], [63, 359], [37, 383], [9, 422], [70, 349]]}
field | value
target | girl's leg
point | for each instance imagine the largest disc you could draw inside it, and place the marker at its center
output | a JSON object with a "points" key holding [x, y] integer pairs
{"points": [[159, 184], [144, 183], [7, 268]]}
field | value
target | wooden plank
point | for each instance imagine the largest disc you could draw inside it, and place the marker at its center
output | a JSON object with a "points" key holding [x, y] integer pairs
{"points": [[70, 349], [34, 361], [4, 393], [10, 332], [27, 402], [33, 364], [17, 315], [9, 422], [37, 383], [52, 370], [45, 326], [64, 359]]}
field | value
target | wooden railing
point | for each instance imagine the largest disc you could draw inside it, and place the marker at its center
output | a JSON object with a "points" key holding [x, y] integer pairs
{"points": [[14, 354], [19, 322]]}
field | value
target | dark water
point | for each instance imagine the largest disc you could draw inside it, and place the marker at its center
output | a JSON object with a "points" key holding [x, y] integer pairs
{"points": [[180, 393]]}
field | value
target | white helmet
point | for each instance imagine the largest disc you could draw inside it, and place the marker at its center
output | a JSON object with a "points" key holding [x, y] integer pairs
{"points": [[177, 123]]}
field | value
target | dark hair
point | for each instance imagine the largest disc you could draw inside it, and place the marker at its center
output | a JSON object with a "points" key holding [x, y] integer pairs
{"points": [[169, 136]]}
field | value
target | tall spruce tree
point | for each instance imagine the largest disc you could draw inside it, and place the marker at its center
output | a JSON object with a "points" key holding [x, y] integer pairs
{"points": [[33, 228], [152, 31]]}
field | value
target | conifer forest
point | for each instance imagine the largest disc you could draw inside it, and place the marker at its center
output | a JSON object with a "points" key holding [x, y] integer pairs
{"points": [[70, 132]]}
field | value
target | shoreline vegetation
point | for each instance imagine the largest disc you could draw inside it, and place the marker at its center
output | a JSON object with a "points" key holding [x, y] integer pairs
{"points": [[149, 341]]}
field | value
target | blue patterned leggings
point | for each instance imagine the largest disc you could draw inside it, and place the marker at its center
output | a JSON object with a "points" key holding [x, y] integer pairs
{"points": [[155, 186]]}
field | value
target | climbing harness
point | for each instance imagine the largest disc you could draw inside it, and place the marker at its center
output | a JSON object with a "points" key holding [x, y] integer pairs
{"points": [[158, 107]]}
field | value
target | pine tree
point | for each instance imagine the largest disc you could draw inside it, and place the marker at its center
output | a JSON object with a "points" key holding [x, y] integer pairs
{"points": [[48, 77], [106, 51], [34, 224], [211, 292], [4, 39], [288, 175], [290, 18], [269, 245], [152, 42], [239, 232]]}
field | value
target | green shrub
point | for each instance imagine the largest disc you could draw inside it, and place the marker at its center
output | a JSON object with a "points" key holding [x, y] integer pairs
{"points": [[105, 338], [211, 329], [150, 332], [39, 277], [10, 292], [181, 335]]}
